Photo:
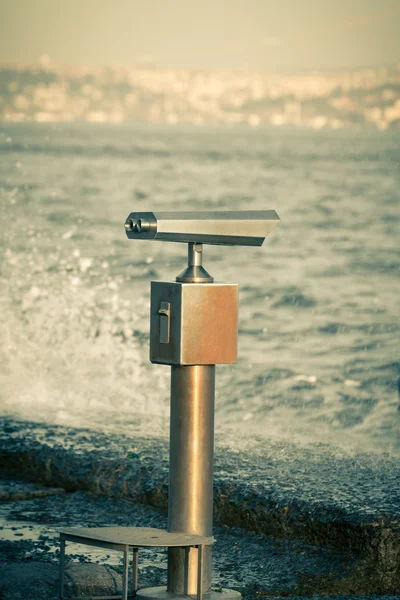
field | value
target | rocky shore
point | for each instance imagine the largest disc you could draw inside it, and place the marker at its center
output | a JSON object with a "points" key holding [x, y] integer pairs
{"points": [[297, 522]]}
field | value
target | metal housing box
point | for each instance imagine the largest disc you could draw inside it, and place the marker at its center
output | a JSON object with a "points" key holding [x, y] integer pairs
{"points": [[193, 323]]}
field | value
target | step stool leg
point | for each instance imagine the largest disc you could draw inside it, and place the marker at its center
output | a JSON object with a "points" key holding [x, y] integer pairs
{"points": [[200, 573], [125, 573], [62, 566], [186, 572], [135, 573]]}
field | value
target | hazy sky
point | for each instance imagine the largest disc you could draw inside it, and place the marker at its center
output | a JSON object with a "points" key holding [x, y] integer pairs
{"points": [[270, 34]]}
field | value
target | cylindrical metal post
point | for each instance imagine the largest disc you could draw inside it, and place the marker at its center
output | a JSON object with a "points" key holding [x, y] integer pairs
{"points": [[195, 255], [190, 503]]}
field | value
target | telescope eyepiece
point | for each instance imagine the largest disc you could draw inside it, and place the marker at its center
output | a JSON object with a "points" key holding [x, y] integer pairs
{"points": [[138, 225]]}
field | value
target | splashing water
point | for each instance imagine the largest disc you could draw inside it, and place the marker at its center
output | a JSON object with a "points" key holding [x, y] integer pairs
{"points": [[319, 312]]}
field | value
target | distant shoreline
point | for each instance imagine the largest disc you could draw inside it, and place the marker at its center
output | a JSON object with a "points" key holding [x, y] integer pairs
{"points": [[316, 99]]}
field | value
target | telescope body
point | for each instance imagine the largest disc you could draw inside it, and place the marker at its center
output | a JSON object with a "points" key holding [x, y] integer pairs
{"points": [[227, 228]]}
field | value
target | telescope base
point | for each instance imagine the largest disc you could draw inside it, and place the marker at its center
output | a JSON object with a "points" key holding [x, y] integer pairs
{"points": [[160, 593]]}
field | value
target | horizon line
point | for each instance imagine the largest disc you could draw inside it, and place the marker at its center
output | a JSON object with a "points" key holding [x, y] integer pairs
{"points": [[52, 65]]}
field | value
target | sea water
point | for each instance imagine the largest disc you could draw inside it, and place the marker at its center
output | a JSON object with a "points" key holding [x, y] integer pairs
{"points": [[319, 350]]}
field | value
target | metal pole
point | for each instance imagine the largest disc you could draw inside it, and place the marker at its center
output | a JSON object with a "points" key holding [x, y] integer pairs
{"points": [[190, 501], [195, 255], [195, 272]]}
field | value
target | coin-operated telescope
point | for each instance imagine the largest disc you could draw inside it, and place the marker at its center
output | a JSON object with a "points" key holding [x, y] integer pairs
{"points": [[193, 327]]}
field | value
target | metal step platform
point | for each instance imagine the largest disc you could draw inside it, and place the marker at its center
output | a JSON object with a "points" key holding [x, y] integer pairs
{"points": [[126, 538]]}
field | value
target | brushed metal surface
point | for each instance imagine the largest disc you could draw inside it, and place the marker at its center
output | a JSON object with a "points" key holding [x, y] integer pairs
{"points": [[137, 536], [203, 323], [195, 272], [123, 538], [245, 228], [190, 498]]}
